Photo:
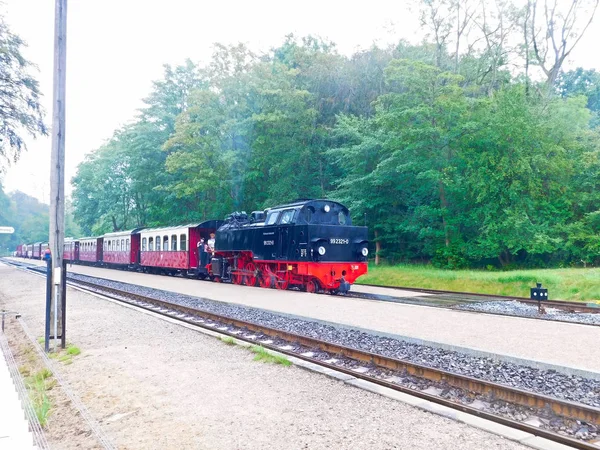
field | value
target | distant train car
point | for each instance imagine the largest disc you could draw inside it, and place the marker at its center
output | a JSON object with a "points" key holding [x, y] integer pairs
{"points": [[37, 250], [19, 252], [121, 248], [90, 250], [28, 251], [174, 249], [71, 250]]}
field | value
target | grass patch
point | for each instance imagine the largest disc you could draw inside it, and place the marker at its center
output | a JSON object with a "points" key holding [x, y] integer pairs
{"points": [[73, 351], [228, 340], [66, 356], [37, 385], [262, 355], [575, 284]]}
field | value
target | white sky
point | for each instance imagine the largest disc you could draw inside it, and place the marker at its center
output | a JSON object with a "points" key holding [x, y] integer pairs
{"points": [[117, 47]]}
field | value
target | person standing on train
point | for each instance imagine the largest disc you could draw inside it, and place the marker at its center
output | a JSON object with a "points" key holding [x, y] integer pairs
{"points": [[211, 246]]}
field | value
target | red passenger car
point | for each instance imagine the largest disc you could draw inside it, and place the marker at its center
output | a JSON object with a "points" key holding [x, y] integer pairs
{"points": [[71, 250], [174, 249], [121, 248], [90, 250]]}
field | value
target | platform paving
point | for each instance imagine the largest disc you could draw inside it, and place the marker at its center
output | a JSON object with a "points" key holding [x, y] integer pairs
{"points": [[553, 343]]}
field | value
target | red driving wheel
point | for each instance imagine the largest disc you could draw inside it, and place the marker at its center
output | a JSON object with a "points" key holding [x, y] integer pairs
{"points": [[311, 286], [250, 274], [283, 281]]}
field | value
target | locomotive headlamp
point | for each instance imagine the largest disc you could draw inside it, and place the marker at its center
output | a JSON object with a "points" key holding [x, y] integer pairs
{"points": [[321, 250], [326, 208], [365, 251]]}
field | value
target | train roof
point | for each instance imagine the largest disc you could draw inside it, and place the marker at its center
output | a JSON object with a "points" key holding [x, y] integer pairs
{"points": [[123, 233], [206, 224], [304, 202]]}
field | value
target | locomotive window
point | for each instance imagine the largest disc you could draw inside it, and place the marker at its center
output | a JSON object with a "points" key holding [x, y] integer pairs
{"points": [[151, 244], [182, 242], [165, 243], [309, 214], [158, 243], [174, 242], [342, 217], [272, 218], [144, 242], [287, 216]]}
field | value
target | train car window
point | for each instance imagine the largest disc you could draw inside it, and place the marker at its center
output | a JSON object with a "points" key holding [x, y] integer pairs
{"points": [[151, 244], [122, 244], [165, 243], [127, 244], [272, 218], [174, 242], [287, 216], [183, 242], [144, 243], [157, 243]]}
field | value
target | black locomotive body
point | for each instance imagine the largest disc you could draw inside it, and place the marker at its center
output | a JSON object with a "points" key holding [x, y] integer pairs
{"points": [[309, 243]]}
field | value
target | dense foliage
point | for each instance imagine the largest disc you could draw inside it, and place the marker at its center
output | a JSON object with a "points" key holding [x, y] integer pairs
{"points": [[450, 151], [29, 218]]}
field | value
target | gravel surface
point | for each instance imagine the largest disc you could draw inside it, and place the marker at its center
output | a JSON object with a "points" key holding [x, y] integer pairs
{"points": [[156, 385], [554, 343], [515, 308], [569, 387]]}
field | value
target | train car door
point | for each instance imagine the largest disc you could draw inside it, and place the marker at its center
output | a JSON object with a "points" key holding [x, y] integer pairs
{"points": [[100, 250]]}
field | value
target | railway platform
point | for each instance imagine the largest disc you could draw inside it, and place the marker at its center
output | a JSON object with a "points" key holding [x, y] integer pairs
{"points": [[544, 344], [14, 427]]}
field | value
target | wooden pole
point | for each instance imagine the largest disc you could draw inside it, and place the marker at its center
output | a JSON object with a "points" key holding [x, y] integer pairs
{"points": [[57, 163]]}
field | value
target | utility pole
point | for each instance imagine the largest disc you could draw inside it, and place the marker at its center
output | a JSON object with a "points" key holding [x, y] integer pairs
{"points": [[57, 169]]}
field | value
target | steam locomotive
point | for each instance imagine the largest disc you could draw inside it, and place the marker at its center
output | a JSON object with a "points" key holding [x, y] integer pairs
{"points": [[309, 244]]}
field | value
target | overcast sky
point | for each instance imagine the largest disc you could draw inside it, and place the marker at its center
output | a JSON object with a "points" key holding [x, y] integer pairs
{"points": [[117, 47]]}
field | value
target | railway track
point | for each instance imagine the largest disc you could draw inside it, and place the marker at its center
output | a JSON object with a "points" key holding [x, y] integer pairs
{"points": [[445, 299], [381, 370], [461, 297]]}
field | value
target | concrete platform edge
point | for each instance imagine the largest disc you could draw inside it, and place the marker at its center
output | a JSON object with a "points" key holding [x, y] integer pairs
{"points": [[521, 437]]}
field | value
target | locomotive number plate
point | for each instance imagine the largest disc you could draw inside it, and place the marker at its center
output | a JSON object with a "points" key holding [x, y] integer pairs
{"points": [[339, 241]]}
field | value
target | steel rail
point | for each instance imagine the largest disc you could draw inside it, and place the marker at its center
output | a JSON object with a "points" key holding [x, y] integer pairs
{"points": [[449, 303], [571, 306], [509, 394]]}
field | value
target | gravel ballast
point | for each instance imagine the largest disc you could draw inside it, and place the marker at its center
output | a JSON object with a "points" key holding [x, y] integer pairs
{"points": [[547, 382], [153, 384], [515, 308]]}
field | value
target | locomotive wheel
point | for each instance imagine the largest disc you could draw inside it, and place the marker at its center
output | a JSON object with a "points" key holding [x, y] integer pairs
{"points": [[283, 282], [312, 286], [251, 278], [266, 278], [237, 278]]}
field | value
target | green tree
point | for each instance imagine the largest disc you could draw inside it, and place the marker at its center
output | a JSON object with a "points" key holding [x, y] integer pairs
{"points": [[20, 110]]}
